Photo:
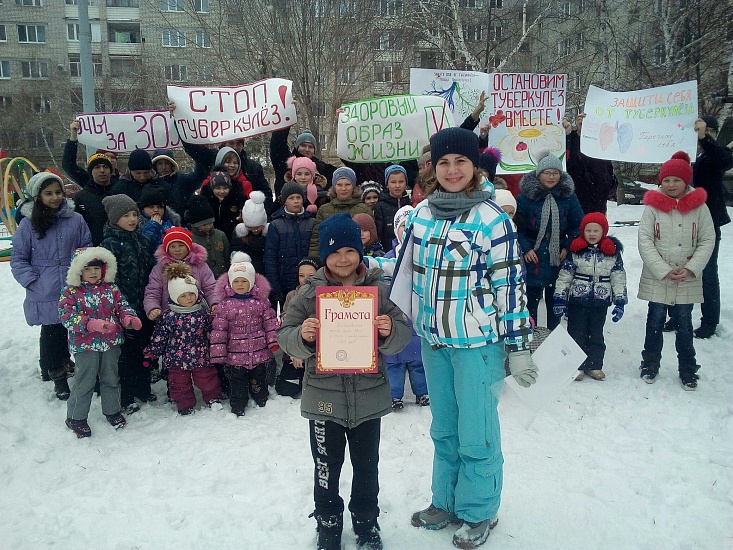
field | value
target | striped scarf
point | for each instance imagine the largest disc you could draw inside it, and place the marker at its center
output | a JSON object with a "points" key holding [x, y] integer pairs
{"points": [[549, 209]]}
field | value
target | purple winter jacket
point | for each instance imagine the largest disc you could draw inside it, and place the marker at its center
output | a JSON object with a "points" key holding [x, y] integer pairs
{"points": [[40, 265], [243, 330], [182, 339], [156, 293]]}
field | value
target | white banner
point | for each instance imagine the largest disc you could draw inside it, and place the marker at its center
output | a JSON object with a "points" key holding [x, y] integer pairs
{"points": [[392, 128], [124, 132], [525, 113], [212, 115], [640, 126], [460, 89]]}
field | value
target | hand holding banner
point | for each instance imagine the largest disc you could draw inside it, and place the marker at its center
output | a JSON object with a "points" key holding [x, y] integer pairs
{"points": [[212, 115]]}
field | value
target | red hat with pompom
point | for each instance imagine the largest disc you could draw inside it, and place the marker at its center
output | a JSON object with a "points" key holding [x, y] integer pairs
{"points": [[679, 166], [606, 245]]}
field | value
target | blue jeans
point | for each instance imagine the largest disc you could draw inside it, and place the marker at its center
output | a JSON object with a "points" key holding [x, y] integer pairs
{"points": [[467, 463], [681, 315], [396, 374], [710, 308]]}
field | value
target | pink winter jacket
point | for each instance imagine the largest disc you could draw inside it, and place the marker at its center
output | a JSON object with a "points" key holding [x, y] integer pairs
{"points": [[243, 330], [156, 293]]}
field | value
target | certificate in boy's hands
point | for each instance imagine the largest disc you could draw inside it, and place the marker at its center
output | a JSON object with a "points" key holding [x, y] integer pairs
{"points": [[347, 339]]}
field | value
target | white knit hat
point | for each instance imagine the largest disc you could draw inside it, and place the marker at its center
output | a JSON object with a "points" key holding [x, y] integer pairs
{"points": [[504, 197], [241, 266], [401, 216], [180, 280], [253, 213]]}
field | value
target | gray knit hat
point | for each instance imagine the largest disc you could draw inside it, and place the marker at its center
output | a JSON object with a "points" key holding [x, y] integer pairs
{"points": [[306, 137], [36, 182], [547, 161], [344, 172], [117, 206], [291, 188]]}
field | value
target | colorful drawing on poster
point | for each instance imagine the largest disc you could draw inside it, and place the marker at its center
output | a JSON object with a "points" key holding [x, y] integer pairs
{"points": [[459, 100], [521, 142]]}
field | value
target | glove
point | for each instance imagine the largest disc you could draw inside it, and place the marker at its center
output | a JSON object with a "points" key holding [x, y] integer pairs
{"points": [[132, 322], [618, 312], [559, 309], [522, 368], [100, 325], [274, 348], [148, 362]]}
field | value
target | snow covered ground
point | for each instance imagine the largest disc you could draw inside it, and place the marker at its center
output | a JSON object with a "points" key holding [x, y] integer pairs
{"points": [[609, 465]]}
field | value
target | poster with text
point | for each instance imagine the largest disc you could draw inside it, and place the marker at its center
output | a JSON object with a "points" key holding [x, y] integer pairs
{"points": [[460, 89], [124, 132], [525, 116], [215, 114], [389, 129], [640, 126]]}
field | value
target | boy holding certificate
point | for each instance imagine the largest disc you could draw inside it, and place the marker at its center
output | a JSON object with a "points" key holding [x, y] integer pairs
{"points": [[343, 407]]}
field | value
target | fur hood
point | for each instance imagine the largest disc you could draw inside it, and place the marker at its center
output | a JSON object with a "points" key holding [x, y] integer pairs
{"points": [[694, 198], [608, 245], [534, 190], [66, 210], [83, 256], [261, 290], [197, 256]]}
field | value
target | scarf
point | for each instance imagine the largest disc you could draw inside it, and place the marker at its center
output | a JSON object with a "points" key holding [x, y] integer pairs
{"points": [[549, 209], [445, 205], [180, 309]]}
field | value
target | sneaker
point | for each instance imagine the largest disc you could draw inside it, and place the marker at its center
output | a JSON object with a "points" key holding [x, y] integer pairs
{"points": [[422, 400], [580, 376], [597, 374], [131, 408], [669, 326], [473, 535], [329, 530], [187, 412], [61, 387], [367, 534], [689, 380], [79, 427], [117, 420], [704, 332], [397, 404], [433, 518], [649, 371]]}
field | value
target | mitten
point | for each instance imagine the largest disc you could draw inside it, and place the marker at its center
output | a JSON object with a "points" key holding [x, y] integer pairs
{"points": [[274, 348], [100, 325], [618, 312], [559, 308], [130, 321], [522, 368], [148, 361]]}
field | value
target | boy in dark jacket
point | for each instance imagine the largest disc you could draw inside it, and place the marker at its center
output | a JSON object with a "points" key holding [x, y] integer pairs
{"points": [[89, 199], [355, 402], [200, 218], [389, 203]]}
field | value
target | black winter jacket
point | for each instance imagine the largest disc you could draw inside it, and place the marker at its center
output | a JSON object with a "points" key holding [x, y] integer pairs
{"points": [[89, 204], [384, 212], [288, 239], [707, 172]]}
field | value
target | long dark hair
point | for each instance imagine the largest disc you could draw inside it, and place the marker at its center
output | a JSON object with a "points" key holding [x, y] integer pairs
{"points": [[42, 217]]}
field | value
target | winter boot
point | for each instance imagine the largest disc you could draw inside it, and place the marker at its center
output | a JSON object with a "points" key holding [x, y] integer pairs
{"points": [[473, 535], [70, 367], [329, 530], [704, 332], [397, 404], [649, 371], [580, 376], [596, 374], [422, 400], [61, 387], [689, 377], [116, 420], [79, 427], [433, 518], [367, 533]]}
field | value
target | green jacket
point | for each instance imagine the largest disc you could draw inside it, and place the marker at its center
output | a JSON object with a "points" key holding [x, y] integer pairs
{"points": [[352, 206], [217, 247], [347, 399]]}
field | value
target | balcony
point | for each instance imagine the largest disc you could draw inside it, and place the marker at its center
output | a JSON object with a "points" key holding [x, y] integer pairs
{"points": [[72, 12], [123, 14]]}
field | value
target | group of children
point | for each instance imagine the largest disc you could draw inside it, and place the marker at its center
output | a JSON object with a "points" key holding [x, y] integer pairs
{"points": [[477, 278]]}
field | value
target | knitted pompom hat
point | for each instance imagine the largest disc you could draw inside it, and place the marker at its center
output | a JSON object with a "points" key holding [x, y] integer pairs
{"points": [[605, 244], [679, 166], [253, 213], [296, 163], [241, 266], [177, 235], [547, 161], [180, 280]]}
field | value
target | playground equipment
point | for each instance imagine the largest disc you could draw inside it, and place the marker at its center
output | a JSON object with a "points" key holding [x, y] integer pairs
{"points": [[15, 173]]}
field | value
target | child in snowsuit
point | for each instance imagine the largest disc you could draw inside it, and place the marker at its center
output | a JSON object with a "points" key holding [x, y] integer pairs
{"points": [[591, 279], [200, 218], [95, 312], [43, 245], [251, 234], [123, 237], [343, 407], [676, 239], [155, 217], [243, 332], [225, 198], [181, 338]]}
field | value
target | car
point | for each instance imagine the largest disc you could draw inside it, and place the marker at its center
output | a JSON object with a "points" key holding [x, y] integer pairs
{"points": [[630, 191]]}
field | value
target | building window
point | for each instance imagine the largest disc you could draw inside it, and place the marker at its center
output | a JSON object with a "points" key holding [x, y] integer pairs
{"points": [[391, 7], [660, 54], [538, 64], [581, 6], [566, 9], [75, 65], [41, 105], [123, 4], [383, 73], [579, 42], [206, 74], [38, 140], [201, 6], [347, 8], [72, 32], [346, 75], [32, 34], [389, 41], [176, 73], [171, 5], [563, 47], [578, 80], [34, 69], [4, 68], [471, 33], [174, 39], [494, 62], [124, 66], [539, 29], [496, 33], [6, 102], [3, 34], [36, 3], [428, 60], [471, 3], [203, 39], [76, 2], [496, 3]]}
